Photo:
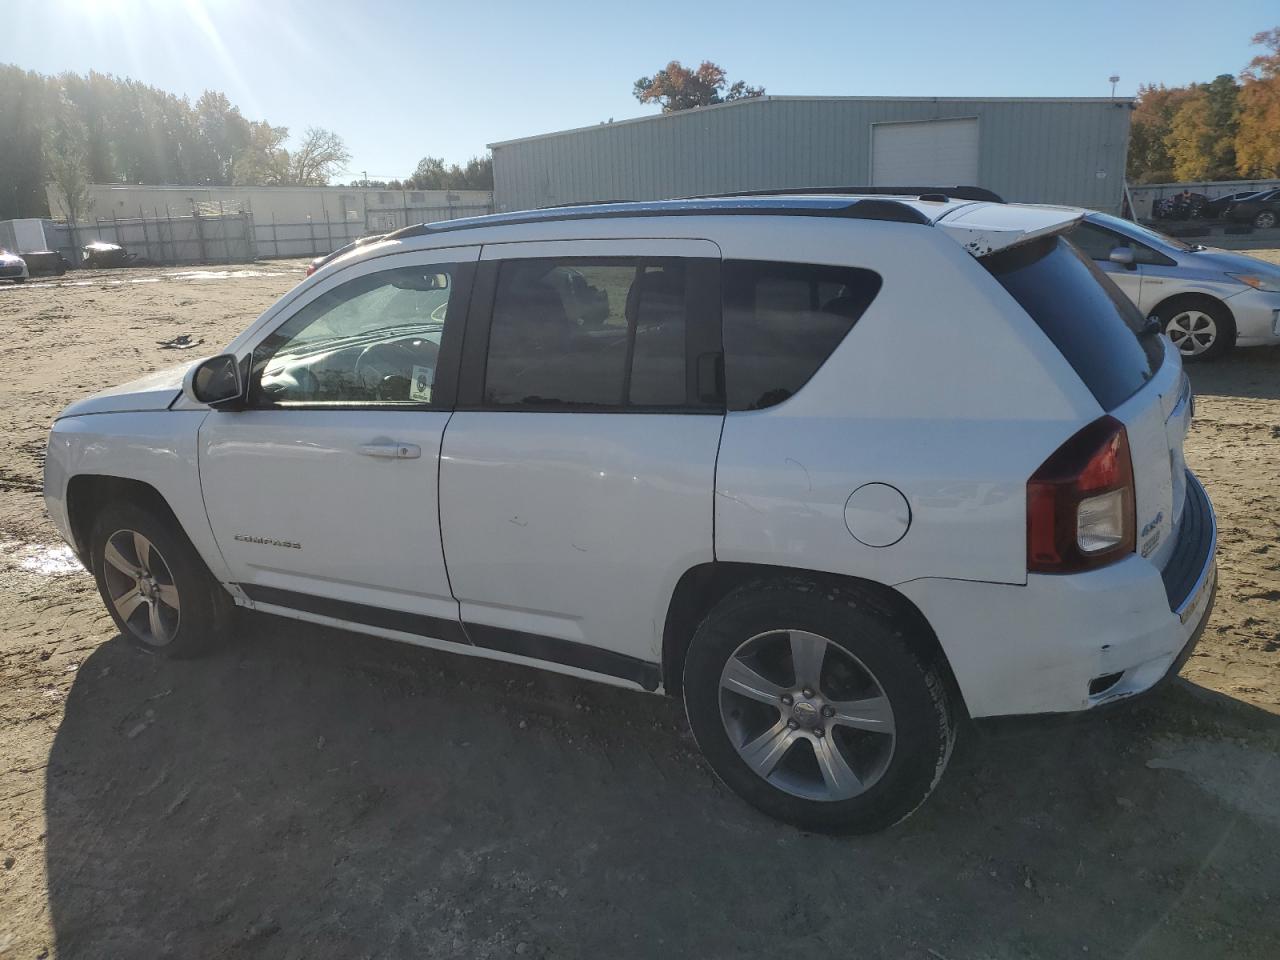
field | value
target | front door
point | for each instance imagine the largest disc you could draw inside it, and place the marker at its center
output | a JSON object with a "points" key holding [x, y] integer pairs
{"points": [[322, 494], [1097, 243], [577, 475]]}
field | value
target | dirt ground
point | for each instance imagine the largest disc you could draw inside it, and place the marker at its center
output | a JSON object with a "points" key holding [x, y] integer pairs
{"points": [[310, 793]]}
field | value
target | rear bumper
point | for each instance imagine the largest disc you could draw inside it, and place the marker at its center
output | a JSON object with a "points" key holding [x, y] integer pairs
{"points": [[1068, 643]]}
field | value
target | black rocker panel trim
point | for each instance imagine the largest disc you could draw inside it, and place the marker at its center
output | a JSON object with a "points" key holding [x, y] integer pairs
{"points": [[416, 623], [566, 652], [532, 645]]}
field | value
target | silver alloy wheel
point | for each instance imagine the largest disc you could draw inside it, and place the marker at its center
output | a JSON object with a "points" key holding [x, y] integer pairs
{"points": [[1192, 332], [1265, 220], [807, 715], [141, 587]]}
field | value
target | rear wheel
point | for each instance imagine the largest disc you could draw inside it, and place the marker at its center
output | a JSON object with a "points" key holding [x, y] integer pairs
{"points": [[813, 706], [154, 584], [1200, 330], [1265, 220]]}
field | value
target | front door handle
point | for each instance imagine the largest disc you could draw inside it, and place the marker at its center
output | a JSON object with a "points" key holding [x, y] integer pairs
{"points": [[392, 450]]}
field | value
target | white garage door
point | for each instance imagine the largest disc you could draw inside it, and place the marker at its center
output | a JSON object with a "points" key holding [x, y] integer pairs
{"points": [[924, 153]]}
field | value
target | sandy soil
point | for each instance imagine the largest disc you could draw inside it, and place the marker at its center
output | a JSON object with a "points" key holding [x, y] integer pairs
{"points": [[309, 793]]}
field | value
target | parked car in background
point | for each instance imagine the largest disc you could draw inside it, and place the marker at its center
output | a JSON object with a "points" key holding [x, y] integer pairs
{"points": [[1207, 300], [12, 267], [46, 263], [1216, 208], [746, 451], [1262, 210], [99, 253]]}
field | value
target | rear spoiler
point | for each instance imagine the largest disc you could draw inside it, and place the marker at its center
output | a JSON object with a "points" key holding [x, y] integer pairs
{"points": [[986, 228]]}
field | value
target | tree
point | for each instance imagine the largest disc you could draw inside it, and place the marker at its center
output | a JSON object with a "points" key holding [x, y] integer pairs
{"points": [[432, 174], [263, 161], [22, 156], [677, 87], [321, 155], [1149, 160], [1258, 137], [65, 164], [223, 134]]}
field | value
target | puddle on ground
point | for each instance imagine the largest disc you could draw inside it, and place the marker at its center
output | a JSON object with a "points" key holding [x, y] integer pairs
{"points": [[181, 275], [223, 274], [39, 559]]}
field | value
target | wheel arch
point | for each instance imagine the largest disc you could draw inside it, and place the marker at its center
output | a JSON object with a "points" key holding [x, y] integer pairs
{"points": [[701, 587], [1193, 299], [88, 493]]}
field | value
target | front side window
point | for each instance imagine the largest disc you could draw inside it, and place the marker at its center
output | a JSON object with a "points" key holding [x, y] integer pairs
{"points": [[374, 339], [606, 333], [782, 321]]}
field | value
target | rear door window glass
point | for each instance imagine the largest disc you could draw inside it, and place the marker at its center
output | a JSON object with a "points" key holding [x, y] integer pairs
{"points": [[782, 321], [592, 334]]}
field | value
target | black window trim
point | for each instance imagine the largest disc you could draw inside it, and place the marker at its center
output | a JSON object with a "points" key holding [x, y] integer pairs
{"points": [[702, 336], [1159, 259], [443, 391]]}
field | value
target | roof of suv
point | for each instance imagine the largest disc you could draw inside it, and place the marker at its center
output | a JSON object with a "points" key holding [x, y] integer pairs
{"points": [[900, 208], [981, 226]]}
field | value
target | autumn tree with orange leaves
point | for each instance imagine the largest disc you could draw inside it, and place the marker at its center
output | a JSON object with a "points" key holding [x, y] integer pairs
{"points": [[1222, 130], [1258, 139], [677, 87]]}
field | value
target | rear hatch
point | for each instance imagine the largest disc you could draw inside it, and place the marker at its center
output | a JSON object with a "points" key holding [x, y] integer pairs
{"points": [[1128, 366]]}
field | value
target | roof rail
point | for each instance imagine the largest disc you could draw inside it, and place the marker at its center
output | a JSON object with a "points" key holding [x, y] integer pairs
{"points": [[870, 208], [946, 193]]}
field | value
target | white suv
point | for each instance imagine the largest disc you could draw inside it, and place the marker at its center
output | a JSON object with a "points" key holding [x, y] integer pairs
{"points": [[837, 470]]}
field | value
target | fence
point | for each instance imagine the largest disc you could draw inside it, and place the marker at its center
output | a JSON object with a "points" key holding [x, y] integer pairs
{"points": [[1146, 195], [167, 239], [311, 238], [215, 234]]}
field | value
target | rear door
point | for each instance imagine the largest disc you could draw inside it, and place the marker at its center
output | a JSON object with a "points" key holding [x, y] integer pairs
{"points": [[577, 474]]}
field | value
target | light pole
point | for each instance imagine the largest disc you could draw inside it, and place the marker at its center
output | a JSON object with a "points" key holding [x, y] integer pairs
{"points": [[1114, 78]]}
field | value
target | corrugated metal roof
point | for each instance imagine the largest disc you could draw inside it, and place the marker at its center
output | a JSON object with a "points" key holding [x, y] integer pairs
{"points": [[750, 101]]}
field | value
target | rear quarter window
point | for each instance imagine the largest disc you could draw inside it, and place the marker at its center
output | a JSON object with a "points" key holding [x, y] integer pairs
{"points": [[1092, 323], [782, 321]]}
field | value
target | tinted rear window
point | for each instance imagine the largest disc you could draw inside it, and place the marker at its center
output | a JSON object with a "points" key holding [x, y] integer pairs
{"points": [[1088, 318]]}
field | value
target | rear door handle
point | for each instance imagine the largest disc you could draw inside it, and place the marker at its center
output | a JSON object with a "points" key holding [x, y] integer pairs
{"points": [[392, 450]]}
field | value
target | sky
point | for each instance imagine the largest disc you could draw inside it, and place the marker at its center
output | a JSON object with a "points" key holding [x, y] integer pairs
{"points": [[399, 79]]}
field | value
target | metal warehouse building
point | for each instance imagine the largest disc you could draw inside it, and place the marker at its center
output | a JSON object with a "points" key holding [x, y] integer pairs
{"points": [[1068, 150]]}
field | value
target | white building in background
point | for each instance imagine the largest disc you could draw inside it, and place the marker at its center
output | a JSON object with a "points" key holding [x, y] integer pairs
{"points": [[375, 211]]}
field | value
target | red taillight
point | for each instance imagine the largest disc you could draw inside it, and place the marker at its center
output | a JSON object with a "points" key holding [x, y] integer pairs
{"points": [[1080, 502]]}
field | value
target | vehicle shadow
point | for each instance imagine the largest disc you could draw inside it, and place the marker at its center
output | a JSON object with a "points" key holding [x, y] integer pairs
{"points": [[310, 793], [1250, 372]]}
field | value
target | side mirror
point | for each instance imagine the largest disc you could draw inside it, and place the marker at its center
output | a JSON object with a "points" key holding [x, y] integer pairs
{"points": [[1124, 256], [216, 382]]}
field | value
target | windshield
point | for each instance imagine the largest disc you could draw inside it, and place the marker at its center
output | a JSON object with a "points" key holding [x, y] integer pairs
{"points": [[1139, 232]]}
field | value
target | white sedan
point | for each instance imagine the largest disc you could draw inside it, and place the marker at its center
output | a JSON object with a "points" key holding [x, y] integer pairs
{"points": [[13, 267]]}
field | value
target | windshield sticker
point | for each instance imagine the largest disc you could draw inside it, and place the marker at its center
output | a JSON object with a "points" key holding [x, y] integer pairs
{"points": [[420, 386]]}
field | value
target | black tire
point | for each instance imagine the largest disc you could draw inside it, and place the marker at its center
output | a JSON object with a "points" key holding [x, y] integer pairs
{"points": [[204, 608], [1224, 339], [855, 624], [1265, 219]]}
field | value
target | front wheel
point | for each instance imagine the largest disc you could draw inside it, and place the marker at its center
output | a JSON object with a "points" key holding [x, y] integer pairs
{"points": [[1200, 331], [1265, 220], [154, 584], [810, 703]]}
